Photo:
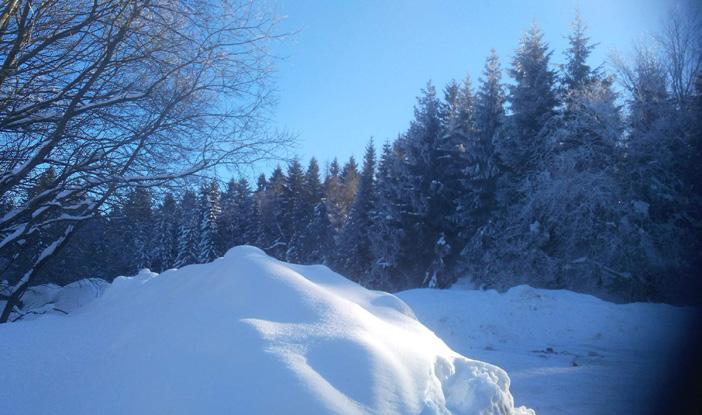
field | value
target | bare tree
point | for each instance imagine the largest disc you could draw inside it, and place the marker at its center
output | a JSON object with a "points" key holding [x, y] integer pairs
{"points": [[115, 93], [681, 43]]}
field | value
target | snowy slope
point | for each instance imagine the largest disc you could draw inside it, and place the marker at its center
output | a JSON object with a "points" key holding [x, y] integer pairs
{"points": [[566, 353], [244, 334]]}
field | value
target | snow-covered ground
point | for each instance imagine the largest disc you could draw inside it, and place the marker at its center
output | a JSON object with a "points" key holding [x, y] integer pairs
{"points": [[566, 353], [244, 334], [250, 334]]}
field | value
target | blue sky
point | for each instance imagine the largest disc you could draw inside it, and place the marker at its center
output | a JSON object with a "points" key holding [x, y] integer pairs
{"points": [[355, 68]]}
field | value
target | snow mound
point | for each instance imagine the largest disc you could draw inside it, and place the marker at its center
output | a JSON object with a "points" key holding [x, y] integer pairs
{"points": [[54, 299], [243, 334]]}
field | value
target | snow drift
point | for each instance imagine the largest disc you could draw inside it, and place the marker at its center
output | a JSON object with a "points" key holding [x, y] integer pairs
{"points": [[53, 299], [243, 334]]}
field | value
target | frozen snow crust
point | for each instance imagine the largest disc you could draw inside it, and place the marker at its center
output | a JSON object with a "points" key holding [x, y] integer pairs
{"points": [[243, 334]]}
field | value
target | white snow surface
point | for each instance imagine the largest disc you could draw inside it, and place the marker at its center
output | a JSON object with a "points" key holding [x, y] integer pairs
{"points": [[244, 334], [53, 299], [566, 353]]}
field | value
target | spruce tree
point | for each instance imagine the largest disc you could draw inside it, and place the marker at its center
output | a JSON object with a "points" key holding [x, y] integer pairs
{"points": [[166, 236], [209, 213], [314, 190], [354, 253], [138, 216], [490, 99], [386, 235], [317, 243], [227, 231], [333, 193], [446, 214], [296, 212], [245, 218], [273, 216], [577, 72], [188, 232], [348, 185], [482, 169], [532, 101], [419, 184]]}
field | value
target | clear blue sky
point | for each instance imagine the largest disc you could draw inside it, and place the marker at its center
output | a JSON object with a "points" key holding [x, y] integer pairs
{"points": [[355, 68]]}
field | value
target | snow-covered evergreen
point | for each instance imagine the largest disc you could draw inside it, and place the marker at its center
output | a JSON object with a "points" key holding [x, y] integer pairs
{"points": [[354, 250]]}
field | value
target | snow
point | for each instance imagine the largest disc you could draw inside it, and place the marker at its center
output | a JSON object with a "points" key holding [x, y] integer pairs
{"points": [[50, 298], [243, 334], [566, 353]]}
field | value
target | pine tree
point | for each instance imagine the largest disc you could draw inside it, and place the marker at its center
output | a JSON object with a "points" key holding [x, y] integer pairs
{"points": [[482, 167], [273, 235], [577, 73], [348, 185], [419, 184], [209, 213], [447, 214], [317, 243], [227, 222], [354, 253], [490, 99], [245, 218], [166, 235], [297, 212], [333, 194], [532, 99], [458, 108], [314, 190], [188, 233], [386, 234], [304, 205], [138, 217]]}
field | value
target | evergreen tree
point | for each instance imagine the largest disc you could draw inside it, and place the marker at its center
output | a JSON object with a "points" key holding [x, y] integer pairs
{"points": [[567, 225], [138, 217], [348, 185], [317, 243], [333, 194], [354, 254], [227, 222], [209, 213], [489, 100], [447, 213], [478, 202], [457, 110], [304, 202], [297, 212], [419, 184], [166, 235], [314, 190], [188, 233], [532, 100], [246, 218], [237, 222], [577, 73], [386, 235], [274, 233]]}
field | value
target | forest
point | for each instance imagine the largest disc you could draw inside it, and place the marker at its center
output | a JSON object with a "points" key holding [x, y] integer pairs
{"points": [[582, 176]]}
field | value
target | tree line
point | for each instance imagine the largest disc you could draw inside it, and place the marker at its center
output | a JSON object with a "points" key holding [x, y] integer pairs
{"points": [[557, 179]]}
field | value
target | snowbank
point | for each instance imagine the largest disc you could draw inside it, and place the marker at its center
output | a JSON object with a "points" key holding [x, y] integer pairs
{"points": [[53, 299], [243, 334]]}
